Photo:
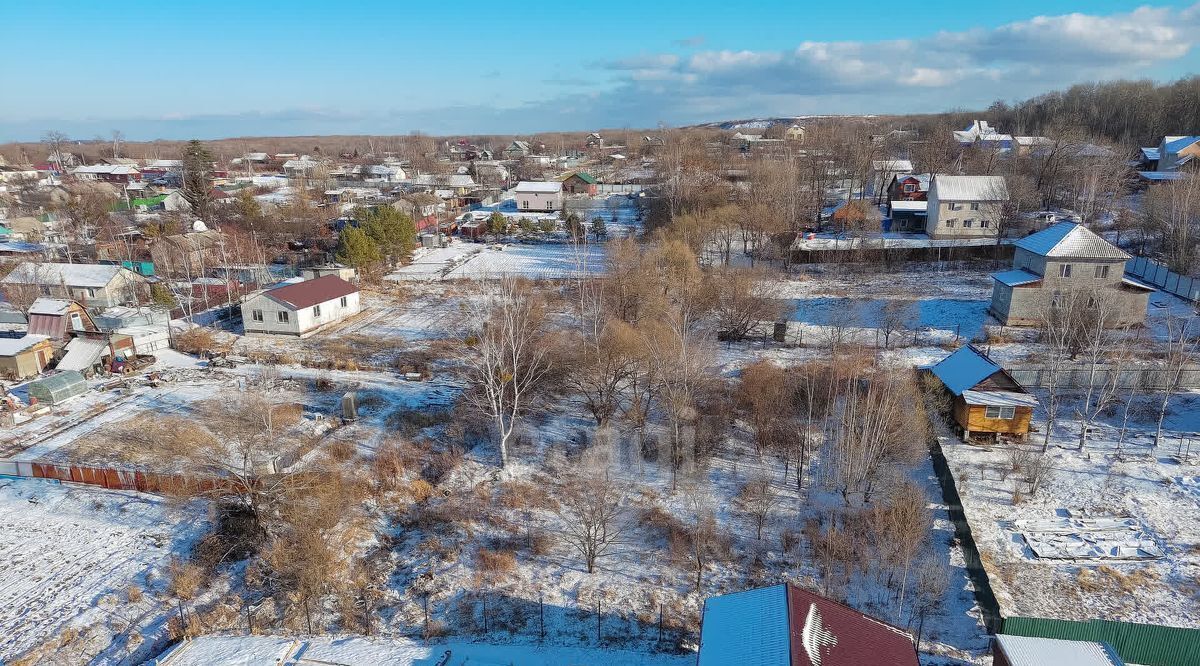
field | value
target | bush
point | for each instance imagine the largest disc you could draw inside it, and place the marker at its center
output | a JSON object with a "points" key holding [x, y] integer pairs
{"points": [[197, 341], [497, 561], [185, 579]]}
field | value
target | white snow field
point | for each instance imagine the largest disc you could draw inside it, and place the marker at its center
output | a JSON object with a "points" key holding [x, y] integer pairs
{"points": [[360, 651], [71, 555]]}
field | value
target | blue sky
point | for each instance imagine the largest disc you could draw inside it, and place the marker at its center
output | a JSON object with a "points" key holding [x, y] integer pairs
{"points": [[216, 69]]}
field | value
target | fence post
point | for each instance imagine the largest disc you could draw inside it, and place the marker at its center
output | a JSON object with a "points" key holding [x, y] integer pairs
{"points": [[660, 622], [597, 620], [541, 620]]}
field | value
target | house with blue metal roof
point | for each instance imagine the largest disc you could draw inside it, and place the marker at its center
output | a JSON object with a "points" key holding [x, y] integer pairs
{"points": [[986, 402], [1067, 261]]}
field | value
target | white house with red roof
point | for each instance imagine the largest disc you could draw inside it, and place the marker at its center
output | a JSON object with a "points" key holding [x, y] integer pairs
{"points": [[300, 308]]}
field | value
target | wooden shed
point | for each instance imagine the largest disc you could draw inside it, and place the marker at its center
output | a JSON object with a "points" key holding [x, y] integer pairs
{"points": [[24, 357], [987, 402]]}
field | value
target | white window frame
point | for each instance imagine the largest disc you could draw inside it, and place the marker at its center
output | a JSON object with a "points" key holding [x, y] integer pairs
{"points": [[974, 206], [317, 310], [1064, 271], [256, 315], [343, 302], [950, 224], [997, 412], [283, 317], [1101, 272], [967, 224]]}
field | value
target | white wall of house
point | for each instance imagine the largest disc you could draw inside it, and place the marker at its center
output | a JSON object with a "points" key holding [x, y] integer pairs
{"points": [[539, 201], [261, 315], [962, 219]]}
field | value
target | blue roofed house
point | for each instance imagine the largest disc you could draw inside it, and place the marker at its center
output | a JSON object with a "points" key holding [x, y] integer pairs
{"points": [[1059, 262], [1172, 159], [985, 400]]}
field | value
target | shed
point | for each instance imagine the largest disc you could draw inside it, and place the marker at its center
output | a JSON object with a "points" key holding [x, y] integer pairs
{"points": [[987, 401], [1009, 650], [24, 357], [58, 387]]}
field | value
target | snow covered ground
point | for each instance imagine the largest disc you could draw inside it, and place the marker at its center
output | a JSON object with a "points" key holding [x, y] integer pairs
{"points": [[73, 556], [360, 651], [1152, 487]]}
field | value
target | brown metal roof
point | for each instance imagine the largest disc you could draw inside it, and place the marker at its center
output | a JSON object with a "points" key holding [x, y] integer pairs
{"points": [[826, 633], [311, 292]]}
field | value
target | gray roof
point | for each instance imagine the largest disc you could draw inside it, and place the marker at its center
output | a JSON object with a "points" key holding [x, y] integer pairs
{"points": [[970, 188], [1070, 240], [538, 186], [1031, 651], [72, 275], [1016, 277]]}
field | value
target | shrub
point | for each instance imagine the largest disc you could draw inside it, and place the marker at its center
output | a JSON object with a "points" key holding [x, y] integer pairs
{"points": [[133, 594], [185, 579], [420, 490], [197, 341], [497, 561]]}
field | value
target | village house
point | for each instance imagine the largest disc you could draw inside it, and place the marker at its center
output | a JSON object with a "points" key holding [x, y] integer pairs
{"points": [[785, 625], [986, 400], [965, 206], [422, 207], [883, 172], [516, 150], [539, 196], [108, 173], [1174, 153], [579, 183], [1050, 265], [24, 357], [795, 133], [93, 285], [300, 308], [981, 134], [186, 255], [57, 319], [594, 140]]}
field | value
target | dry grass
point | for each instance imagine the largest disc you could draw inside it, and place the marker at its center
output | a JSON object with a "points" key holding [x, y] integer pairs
{"points": [[185, 579], [497, 561]]}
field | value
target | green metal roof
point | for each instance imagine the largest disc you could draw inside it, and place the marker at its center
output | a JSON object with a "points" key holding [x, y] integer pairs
{"points": [[587, 178], [1148, 644]]}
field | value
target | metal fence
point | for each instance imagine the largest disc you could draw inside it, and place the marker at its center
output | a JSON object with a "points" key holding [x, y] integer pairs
{"points": [[1078, 376], [1148, 644], [1160, 276]]}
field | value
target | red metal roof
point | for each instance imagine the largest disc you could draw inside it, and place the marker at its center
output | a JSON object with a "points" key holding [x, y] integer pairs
{"points": [[312, 292], [837, 635]]}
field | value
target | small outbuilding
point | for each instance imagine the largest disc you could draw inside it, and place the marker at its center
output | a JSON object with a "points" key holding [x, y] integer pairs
{"points": [[58, 387], [987, 401], [579, 183], [24, 357], [1011, 650]]}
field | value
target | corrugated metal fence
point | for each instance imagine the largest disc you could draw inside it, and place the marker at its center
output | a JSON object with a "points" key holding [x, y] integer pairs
{"points": [[1167, 280], [1148, 644], [113, 479], [1076, 376]]}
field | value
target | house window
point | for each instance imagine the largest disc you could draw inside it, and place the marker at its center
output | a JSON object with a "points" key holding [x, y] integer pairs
{"points": [[1102, 271], [949, 223], [525, 204], [1064, 270], [343, 301], [91, 292], [1000, 412], [974, 206], [316, 311], [954, 206], [45, 290], [283, 317], [967, 224], [256, 315], [909, 187], [984, 224]]}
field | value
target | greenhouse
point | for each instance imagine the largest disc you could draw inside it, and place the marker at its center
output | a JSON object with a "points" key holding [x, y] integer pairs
{"points": [[57, 388]]}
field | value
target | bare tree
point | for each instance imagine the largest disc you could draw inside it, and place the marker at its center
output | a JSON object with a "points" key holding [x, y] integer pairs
{"points": [[593, 511], [744, 300], [510, 357], [757, 499]]}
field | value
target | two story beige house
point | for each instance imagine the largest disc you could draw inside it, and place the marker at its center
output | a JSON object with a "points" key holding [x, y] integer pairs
{"points": [[96, 286], [1064, 258], [965, 206]]}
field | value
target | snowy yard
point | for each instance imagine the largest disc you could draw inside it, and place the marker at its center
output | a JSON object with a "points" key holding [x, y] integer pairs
{"points": [[360, 651], [87, 560], [1104, 524]]}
